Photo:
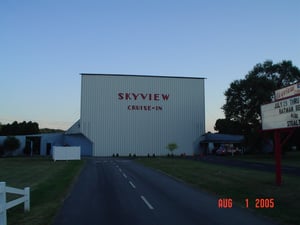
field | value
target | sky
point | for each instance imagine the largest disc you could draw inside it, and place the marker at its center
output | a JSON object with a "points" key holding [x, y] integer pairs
{"points": [[45, 45]]}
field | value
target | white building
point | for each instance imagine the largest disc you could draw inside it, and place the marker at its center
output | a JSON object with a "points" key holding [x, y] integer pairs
{"points": [[134, 114]]}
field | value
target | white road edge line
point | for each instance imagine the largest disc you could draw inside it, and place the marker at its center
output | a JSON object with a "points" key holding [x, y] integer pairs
{"points": [[146, 202], [132, 185], [124, 175]]}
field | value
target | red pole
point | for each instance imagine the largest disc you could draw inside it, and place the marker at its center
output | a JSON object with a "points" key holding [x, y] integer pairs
{"points": [[278, 156]]}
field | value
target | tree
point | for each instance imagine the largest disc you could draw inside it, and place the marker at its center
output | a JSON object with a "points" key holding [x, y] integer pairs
{"points": [[283, 74], [171, 147], [226, 126], [244, 97]]}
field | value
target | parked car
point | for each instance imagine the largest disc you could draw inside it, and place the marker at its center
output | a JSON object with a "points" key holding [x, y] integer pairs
{"points": [[234, 151], [221, 151]]}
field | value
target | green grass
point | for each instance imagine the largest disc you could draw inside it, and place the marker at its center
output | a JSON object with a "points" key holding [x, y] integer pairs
{"points": [[49, 182], [291, 158], [238, 184]]}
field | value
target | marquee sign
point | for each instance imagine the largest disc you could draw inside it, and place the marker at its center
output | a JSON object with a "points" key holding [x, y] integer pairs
{"points": [[287, 91], [281, 114]]}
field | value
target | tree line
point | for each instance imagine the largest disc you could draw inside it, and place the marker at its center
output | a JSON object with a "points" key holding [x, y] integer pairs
{"points": [[23, 128]]}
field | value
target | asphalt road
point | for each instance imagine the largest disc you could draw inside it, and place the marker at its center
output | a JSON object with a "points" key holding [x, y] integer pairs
{"points": [[116, 192]]}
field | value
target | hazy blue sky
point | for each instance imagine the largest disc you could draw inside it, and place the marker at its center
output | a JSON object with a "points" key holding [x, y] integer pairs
{"points": [[45, 45]]}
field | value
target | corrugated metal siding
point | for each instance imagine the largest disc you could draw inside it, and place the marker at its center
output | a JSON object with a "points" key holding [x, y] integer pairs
{"points": [[112, 128]]}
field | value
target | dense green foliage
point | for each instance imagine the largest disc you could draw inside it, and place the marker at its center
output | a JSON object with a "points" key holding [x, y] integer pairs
{"points": [[23, 128], [227, 126]]}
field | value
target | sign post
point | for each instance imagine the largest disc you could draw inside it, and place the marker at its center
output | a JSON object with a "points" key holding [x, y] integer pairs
{"points": [[277, 140]]}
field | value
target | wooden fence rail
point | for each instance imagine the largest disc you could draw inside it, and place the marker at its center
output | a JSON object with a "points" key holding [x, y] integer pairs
{"points": [[4, 206]]}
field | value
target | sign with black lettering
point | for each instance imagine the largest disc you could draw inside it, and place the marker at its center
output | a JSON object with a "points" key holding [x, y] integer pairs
{"points": [[281, 114]]}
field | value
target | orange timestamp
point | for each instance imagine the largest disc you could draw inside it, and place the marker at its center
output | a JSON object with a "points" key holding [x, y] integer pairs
{"points": [[262, 203], [259, 203]]}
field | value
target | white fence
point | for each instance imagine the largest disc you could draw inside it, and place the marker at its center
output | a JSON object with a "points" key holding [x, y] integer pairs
{"points": [[7, 205], [66, 153]]}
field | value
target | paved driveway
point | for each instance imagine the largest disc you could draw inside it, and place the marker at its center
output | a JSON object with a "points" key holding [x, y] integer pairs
{"points": [[118, 191]]}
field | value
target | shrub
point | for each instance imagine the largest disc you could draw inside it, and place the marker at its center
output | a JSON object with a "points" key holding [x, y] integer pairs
{"points": [[171, 147], [11, 143]]}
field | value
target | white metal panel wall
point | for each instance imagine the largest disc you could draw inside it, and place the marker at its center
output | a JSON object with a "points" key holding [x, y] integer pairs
{"points": [[108, 121]]}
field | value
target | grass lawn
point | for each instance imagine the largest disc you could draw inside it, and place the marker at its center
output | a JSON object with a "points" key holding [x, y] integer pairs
{"points": [[238, 184], [48, 181], [291, 158]]}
